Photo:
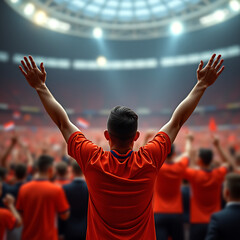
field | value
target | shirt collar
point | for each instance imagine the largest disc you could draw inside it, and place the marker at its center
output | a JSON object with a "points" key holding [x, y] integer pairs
{"points": [[121, 156], [232, 203]]}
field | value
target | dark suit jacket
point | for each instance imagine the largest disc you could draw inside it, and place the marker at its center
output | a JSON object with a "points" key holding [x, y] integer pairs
{"points": [[225, 225], [77, 196]]}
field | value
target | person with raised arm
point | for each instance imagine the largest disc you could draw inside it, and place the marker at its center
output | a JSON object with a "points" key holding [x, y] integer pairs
{"points": [[121, 181]]}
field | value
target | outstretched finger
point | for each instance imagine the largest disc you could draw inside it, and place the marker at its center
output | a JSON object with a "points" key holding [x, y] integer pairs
{"points": [[24, 65], [200, 66], [23, 72], [216, 61], [220, 71], [27, 62], [42, 68], [211, 60], [219, 64], [32, 62]]}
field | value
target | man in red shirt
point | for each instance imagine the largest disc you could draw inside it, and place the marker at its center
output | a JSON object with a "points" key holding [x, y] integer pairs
{"points": [[120, 182], [9, 218], [206, 186], [167, 201], [40, 201]]}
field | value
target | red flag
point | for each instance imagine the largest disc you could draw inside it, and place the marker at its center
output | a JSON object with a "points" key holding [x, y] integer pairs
{"points": [[16, 114], [212, 125], [9, 126], [83, 123]]}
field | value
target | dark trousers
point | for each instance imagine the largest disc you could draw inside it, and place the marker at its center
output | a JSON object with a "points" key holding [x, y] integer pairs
{"points": [[198, 231], [169, 225]]}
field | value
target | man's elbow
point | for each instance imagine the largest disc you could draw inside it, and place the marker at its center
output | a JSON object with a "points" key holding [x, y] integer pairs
{"points": [[65, 216]]}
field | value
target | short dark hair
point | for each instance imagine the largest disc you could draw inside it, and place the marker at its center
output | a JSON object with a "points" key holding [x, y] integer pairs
{"points": [[172, 151], [76, 168], [61, 168], [122, 123], [20, 170], [44, 163], [233, 185], [206, 155]]}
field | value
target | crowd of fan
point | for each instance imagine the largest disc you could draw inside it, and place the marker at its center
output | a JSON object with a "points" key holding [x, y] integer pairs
{"points": [[40, 181]]}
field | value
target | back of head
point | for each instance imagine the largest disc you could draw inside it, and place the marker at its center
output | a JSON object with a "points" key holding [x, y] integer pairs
{"points": [[44, 163], [61, 168], [206, 155], [20, 171], [233, 185], [76, 169], [122, 123]]}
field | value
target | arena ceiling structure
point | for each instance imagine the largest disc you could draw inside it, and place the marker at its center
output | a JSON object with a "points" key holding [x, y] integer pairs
{"points": [[126, 19]]}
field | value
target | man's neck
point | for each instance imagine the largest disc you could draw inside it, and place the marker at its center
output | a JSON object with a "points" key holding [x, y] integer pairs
{"points": [[42, 176]]}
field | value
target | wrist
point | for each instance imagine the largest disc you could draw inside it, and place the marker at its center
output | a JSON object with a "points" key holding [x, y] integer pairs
{"points": [[41, 87], [201, 85]]}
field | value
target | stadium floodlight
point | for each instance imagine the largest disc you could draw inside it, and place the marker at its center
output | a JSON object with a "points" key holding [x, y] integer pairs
{"points": [[53, 23], [97, 32], [29, 9], [234, 5], [219, 15], [176, 28], [40, 17], [101, 61]]}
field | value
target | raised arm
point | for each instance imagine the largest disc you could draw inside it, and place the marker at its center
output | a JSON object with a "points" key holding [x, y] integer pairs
{"points": [[3, 158], [226, 159], [36, 78], [9, 202], [206, 77]]}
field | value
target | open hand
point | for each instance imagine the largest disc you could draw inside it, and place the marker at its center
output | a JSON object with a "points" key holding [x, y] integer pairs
{"points": [[36, 77], [209, 74]]}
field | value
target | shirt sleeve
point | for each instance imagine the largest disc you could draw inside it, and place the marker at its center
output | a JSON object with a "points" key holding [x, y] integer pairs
{"points": [[10, 220], [62, 204], [81, 149], [189, 174], [158, 149], [184, 162], [221, 173]]}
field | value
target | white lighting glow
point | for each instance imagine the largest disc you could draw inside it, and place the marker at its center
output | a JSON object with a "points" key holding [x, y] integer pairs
{"points": [[29, 9], [97, 32], [14, 1], [234, 5], [53, 23], [40, 17], [220, 15], [217, 16], [176, 28], [101, 61]]}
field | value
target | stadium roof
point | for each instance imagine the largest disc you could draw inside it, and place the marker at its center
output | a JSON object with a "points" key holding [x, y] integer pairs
{"points": [[126, 19]]}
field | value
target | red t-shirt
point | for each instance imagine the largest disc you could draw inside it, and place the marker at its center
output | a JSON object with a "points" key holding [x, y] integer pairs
{"points": [[7, 221], [40, 201], [206, 188], [120, 187], [167, 192]]}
